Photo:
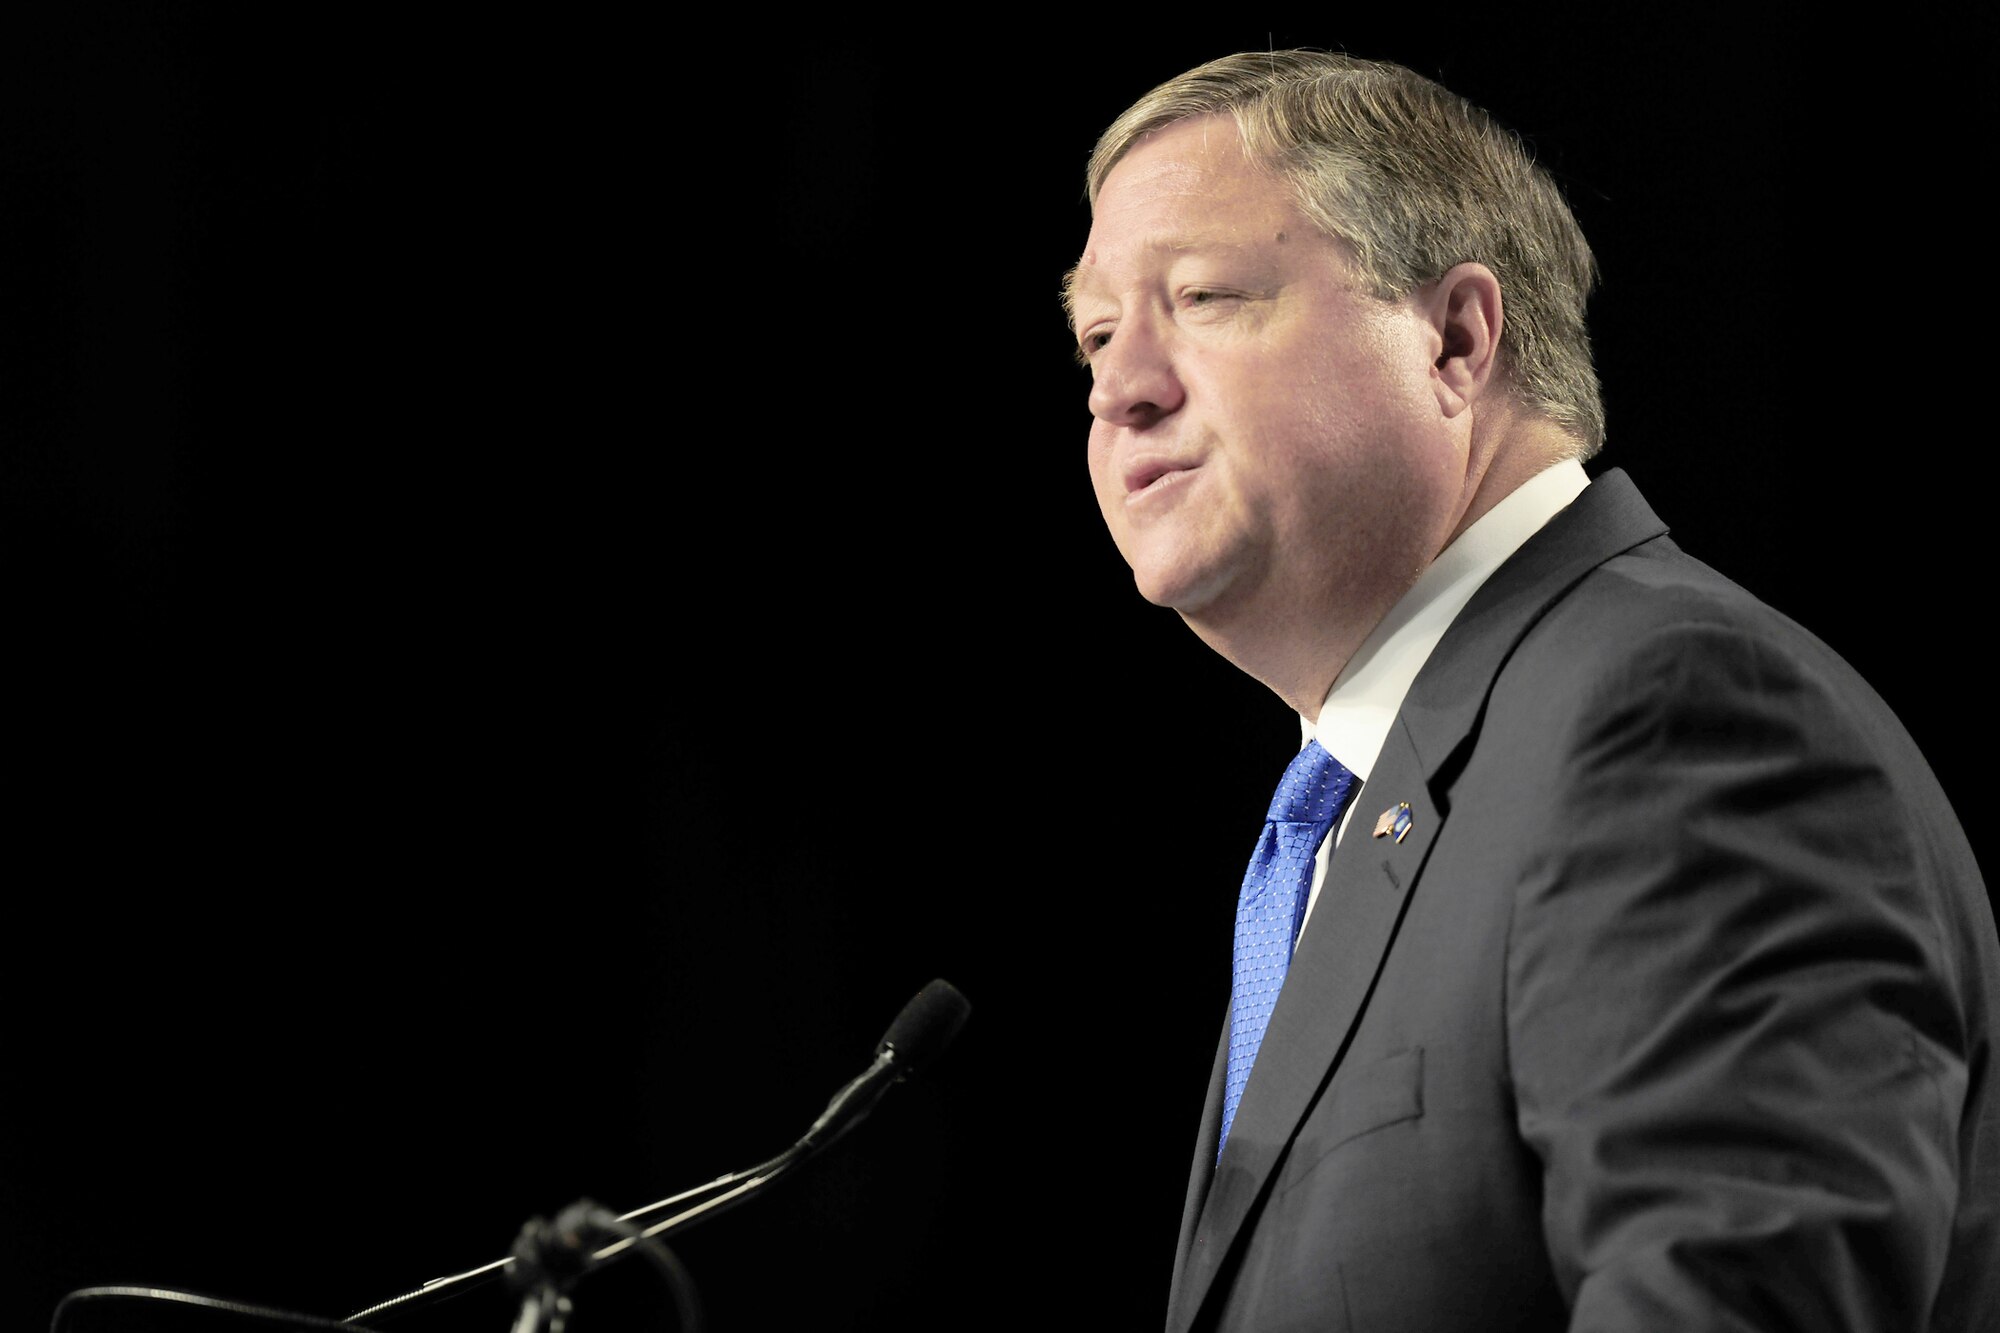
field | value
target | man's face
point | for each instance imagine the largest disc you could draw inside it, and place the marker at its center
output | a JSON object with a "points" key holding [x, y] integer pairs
{"points": [[1267, 440]]}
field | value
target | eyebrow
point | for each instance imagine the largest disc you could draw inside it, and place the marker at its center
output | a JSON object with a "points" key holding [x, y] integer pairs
{"points": [[1178, 244], [1069, 294], [1167, 244]]}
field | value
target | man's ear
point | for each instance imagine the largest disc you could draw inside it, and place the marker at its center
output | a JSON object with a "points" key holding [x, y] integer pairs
{"points": [[1463, 307]]}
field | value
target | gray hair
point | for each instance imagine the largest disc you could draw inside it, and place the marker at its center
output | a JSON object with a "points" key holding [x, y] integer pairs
{"points": [[1413, 179]]}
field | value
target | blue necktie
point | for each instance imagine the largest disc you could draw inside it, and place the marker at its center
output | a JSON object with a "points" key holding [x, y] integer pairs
{"points": [[1276, 888]]}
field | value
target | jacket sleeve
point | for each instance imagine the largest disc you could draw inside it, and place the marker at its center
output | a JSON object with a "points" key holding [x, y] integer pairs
{"points": [[1732, 1025]]}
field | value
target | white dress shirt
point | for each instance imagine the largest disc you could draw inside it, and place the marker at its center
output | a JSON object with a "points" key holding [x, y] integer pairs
{"points": [[1354, 720]]}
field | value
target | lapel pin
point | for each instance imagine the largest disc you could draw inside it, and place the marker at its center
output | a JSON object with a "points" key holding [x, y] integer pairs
{"points": [[1395, 820]]}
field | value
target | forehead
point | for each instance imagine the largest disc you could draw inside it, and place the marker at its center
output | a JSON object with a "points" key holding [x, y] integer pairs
{"points": [[1190, 186]]}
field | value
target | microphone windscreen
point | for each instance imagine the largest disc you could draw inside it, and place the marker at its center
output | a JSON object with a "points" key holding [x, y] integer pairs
{"points": [[927, 1025]]}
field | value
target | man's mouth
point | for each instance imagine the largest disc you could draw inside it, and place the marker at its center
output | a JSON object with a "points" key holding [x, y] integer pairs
{"points": [[1145, 475]]}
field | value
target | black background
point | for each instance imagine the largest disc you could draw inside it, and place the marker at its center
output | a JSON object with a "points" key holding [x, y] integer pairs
{"points": [[550, 584]]}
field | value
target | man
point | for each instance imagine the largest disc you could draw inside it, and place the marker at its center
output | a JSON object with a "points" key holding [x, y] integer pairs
{"points": [[1651, 982]]}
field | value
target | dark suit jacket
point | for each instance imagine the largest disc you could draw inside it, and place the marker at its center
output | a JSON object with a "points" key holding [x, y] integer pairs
{"points": [[1672, 1010]]}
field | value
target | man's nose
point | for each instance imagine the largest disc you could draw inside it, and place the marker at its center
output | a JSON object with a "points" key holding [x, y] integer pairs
{"points": [[1133, 382]]}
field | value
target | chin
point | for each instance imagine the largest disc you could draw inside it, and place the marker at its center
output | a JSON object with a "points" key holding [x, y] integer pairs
{"points": [[1179, 590], [1187, 574]]}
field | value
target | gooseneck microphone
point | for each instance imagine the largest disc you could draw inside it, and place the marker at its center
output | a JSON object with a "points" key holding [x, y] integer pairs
{"points": [[926, 1025], [921, 1032]]}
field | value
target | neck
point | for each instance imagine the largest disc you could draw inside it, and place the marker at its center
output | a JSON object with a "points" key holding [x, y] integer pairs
{"points": [[1525, 446]]}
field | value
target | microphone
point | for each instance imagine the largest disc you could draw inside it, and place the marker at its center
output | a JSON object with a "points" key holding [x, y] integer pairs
{"points": [[923, 1030], [926, 1026]]}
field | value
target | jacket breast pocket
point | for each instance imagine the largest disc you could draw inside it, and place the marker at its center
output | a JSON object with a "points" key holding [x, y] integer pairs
{"points": [[1359, 1101]]}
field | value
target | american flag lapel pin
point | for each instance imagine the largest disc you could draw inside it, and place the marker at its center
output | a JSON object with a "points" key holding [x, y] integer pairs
{"points": [[1394, 821]]}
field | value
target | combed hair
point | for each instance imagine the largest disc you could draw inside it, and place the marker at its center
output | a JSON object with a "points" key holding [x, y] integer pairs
{"points": [[1414, 179]]}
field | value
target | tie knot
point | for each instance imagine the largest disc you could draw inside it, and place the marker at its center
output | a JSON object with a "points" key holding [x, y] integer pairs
{"points": [[1313, 788]]}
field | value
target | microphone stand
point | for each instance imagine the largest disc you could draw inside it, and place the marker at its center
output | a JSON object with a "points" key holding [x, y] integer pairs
{"points": [[926, 1025], [457, 1284]]}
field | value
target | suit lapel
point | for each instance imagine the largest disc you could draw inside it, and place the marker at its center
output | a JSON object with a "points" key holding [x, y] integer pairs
{"points": [[1370, 879], [1367, 885]]}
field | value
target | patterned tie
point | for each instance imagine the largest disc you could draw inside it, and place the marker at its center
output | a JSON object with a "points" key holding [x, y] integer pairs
{"points": [[1276, 887]]}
